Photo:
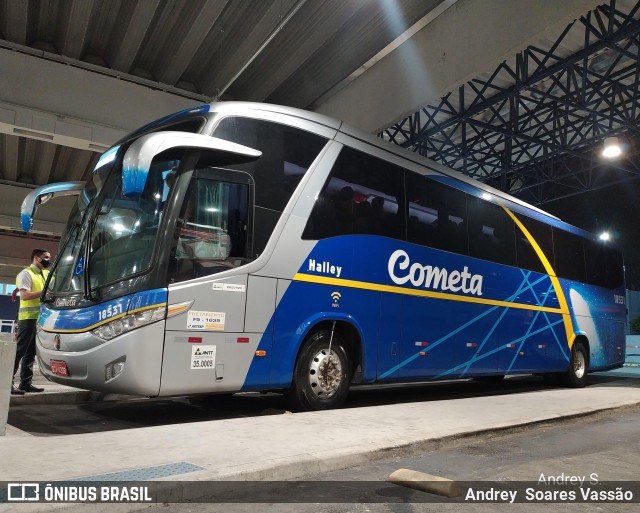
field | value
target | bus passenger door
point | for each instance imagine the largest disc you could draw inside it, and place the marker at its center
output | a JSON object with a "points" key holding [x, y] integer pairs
{"points": [[207, 348]]}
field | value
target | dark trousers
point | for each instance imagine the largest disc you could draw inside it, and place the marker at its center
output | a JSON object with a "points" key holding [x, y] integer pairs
{"points": [[26, 350]]}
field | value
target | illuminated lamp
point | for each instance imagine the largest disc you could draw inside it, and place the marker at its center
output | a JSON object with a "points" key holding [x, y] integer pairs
{"points": [[612, 148]]}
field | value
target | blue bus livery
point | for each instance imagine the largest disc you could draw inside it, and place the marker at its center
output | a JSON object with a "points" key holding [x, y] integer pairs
{"points": [[239, 246]]}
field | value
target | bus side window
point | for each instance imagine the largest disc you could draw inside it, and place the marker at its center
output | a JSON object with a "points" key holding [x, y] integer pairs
{"points": [[287, 154], [604, 265], [528, 258], [615, 268], [491, 233], [595, 262], [569, 255], [210, 234], [437, 214], [362, 195]]}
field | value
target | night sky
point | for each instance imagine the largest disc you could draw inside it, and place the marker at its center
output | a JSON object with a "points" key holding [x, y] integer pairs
{"points": [[615, 209]]}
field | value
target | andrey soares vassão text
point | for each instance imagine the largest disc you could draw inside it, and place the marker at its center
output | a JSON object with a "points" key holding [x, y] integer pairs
{"points": [[550, 489]]}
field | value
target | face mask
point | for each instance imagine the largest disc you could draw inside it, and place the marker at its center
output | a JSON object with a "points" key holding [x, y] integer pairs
{"points": [[45, 263]]}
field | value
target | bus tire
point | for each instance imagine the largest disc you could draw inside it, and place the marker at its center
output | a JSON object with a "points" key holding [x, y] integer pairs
{"points": [[576, 375], [320, 381]]}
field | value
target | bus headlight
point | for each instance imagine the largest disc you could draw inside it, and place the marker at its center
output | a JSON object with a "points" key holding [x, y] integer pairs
{"points": [[129, 322]]}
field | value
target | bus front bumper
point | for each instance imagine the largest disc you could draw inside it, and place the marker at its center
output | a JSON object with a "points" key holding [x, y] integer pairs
{"points": [[128, 364]]}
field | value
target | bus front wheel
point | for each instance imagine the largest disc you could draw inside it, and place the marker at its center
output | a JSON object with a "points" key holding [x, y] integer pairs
{"points": [[576, 376], [322, 376]]}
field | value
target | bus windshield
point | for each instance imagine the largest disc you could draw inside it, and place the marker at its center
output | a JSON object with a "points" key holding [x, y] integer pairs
{"points": [[119, 240], [124, 230], [67, 275]]}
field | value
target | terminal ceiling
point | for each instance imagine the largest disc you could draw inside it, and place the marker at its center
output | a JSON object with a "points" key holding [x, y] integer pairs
{"points": [[516, 93]]}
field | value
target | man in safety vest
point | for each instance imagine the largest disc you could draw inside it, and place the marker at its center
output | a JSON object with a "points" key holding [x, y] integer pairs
{"points": [[30, 282]]}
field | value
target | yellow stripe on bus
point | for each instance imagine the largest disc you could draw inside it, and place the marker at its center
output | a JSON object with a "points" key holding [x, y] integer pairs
{"points": [[94, 326], [564, 306], [339, 282]]}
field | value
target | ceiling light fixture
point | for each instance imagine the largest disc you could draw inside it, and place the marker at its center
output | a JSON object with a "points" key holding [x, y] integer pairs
{"points": [[612, 148]]}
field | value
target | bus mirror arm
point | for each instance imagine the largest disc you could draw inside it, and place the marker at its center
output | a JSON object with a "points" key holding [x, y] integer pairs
{"points": [[137, 160], [42, 194]]}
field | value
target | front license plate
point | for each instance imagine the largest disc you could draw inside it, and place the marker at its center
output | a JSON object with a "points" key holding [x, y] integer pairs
{"points": [[59, 368]]}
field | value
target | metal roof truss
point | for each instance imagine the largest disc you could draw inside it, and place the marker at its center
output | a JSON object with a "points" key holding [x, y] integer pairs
{"points": [[534, 127]]}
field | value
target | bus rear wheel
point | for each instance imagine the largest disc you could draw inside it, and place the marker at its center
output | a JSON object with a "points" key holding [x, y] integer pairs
{"points": [[576, 375], [321, 377]]}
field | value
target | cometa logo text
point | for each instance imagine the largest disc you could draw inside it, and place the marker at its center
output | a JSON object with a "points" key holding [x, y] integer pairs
{"points": [[401, 271]]}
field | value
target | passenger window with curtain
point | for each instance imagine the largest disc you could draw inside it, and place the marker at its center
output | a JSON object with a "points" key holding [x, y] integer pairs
{"points": [[363, 195], [437, 214], [287, 153], [211, 233], [491, 232]]}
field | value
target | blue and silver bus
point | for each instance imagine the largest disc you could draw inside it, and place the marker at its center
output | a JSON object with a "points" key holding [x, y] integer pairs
{"points": [[250, 247]]}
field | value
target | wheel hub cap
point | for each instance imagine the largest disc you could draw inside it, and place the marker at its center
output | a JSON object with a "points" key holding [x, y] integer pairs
{"points": [[325, 373]]}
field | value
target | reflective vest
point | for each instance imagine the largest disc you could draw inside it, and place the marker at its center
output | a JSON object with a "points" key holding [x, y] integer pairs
{"points": [[30, 308]]}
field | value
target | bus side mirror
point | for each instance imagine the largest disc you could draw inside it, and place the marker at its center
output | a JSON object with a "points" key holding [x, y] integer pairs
{"points": [[42, 194], [138, 158]]}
